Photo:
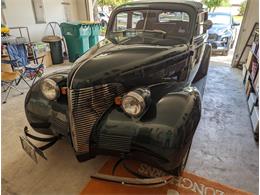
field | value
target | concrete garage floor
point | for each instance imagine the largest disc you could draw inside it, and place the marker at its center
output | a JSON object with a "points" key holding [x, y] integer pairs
{"points": [[223, 148]]}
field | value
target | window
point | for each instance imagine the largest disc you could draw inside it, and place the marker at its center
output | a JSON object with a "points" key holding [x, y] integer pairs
{"points": [[121, 22], [201, 29], [173, 16], [137, 17], [151, 26], [127, 20]]}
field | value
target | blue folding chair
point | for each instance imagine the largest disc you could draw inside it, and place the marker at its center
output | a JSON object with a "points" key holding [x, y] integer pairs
{"points": [[19, 60]]}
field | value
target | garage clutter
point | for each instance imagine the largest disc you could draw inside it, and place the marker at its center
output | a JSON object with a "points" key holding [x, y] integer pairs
{"points": [[80, 37], [251, 81]]}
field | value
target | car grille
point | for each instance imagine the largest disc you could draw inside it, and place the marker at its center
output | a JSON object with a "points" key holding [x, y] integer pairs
{"points": [[213, 37], [86, 107]]}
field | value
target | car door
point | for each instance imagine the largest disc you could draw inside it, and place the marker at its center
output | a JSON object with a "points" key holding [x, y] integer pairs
{"points": [[198, 44]]}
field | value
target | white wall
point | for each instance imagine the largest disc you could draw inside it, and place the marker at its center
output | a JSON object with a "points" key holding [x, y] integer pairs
{"points": [[20, 13], [85, 10]]}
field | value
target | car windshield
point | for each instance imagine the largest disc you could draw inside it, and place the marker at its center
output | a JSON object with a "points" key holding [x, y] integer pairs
{"points": [[220, 19], [155, 27]]}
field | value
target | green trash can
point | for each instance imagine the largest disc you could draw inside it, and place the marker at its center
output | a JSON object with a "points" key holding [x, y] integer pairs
{"points": [[95, 32], [77, 38]]}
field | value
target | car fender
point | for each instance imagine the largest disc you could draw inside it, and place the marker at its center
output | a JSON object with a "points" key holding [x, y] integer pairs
{"points": [[162, 137], [45, 116]]}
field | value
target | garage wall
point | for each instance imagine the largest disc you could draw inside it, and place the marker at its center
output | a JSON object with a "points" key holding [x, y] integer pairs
{"points": [[20, 13], [250, 17], [85, 10]]}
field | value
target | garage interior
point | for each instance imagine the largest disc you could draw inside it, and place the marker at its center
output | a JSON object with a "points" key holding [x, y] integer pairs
{"points": [[224, 148]]}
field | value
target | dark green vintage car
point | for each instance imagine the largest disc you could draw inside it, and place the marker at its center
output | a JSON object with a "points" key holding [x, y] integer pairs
{"points": [[136, 94]]}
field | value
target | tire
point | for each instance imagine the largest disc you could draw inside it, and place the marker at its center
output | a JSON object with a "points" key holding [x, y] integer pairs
{"points": [[204, 66], [179, 170]]}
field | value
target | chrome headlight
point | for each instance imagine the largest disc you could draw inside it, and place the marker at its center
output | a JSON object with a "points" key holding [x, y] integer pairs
{"points": [[134, 103], [50, 89]]}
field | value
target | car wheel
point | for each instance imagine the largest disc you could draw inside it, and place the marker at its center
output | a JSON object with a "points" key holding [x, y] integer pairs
{"points": [[179, 170]]}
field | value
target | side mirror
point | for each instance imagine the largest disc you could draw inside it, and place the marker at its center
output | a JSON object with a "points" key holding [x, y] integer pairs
{"points": [[235, 24], [208, 24]]}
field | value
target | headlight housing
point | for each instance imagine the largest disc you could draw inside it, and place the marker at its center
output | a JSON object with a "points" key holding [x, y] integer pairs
{"points": [[225, 39], [134, 103], [50, 89]]}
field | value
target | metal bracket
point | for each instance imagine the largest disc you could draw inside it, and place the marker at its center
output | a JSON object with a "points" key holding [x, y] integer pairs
{"points": [[141, 180], [31, 149], [150, 182]]}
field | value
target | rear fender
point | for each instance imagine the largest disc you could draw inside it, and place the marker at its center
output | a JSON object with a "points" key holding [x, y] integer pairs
{"points": [[161, 138]]}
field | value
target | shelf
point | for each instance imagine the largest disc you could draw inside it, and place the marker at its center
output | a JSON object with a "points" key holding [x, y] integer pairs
{"points": [[252, 84], [257, 58]]}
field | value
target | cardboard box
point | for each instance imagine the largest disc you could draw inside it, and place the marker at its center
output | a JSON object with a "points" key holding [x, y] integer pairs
{"points": [[47, 61], [248, 90], [254, 47], [247, 81], [244, 72], [249, 60], [251, 101], [254, 70], [256, 84], [255, 119]]}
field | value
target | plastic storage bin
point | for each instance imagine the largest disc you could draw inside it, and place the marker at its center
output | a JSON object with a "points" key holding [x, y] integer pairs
{"points": [[77, 38], [95, 32], [56, 48]]}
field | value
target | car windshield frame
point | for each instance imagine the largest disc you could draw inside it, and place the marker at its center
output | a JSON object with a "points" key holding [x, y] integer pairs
{"points": [[110, 32], [220, 14]]}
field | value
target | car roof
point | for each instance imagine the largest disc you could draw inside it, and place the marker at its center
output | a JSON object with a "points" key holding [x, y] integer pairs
{"points": [[220, 13], [196, 5]]}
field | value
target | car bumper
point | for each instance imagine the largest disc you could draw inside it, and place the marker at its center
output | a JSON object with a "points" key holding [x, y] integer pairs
{"points": [[218, 46]]}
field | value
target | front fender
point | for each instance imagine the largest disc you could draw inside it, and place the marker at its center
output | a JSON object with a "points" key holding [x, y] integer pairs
{"points": [[160, 139], [45, 116]]}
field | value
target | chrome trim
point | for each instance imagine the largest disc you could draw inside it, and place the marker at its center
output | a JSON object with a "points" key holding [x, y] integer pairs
{"points": [[86, 106]]}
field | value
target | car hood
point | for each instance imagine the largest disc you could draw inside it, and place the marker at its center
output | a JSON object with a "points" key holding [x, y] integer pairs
{"points": [[108, 62], [218, 29]]}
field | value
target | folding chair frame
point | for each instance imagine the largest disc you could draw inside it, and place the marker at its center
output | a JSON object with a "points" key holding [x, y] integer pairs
{"points": [[15, 65], [8, 89]]}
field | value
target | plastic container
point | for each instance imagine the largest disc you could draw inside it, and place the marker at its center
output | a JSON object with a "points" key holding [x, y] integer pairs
{"points": [[55, 47], [77, 38], [95, 32]]}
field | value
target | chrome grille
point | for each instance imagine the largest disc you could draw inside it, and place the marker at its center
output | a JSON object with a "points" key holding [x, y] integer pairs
{"points": [[213, 37], [86, 107]]}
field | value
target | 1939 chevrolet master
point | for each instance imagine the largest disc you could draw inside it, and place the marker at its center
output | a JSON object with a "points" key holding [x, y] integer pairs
{"points": [[136, 94]]}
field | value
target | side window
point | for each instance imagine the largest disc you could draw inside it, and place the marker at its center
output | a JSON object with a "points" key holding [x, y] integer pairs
{"points": [[205, 17], [173, 16], [137, 19], [120, 22], [200, 27]]}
